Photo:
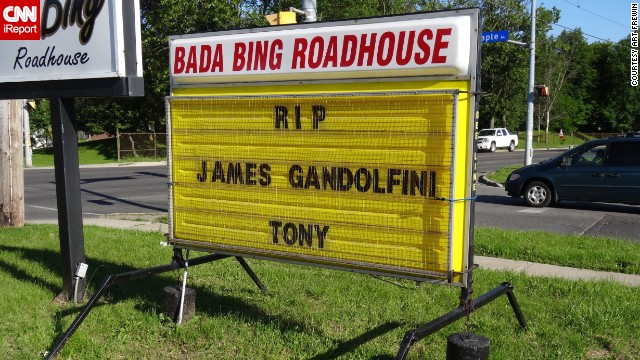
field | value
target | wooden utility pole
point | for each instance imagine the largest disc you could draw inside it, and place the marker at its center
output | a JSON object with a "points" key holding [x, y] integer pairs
{"points": [[11, 167]]}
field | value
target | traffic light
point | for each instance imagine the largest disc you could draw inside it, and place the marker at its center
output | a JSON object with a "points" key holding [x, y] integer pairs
{"points": [[281, 18], [542, 90]]}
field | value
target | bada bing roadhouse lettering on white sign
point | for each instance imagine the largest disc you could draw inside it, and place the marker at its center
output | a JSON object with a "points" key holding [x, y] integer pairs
{"points": [[436, 45], [426, 46], [81, 13], [56, 17]]}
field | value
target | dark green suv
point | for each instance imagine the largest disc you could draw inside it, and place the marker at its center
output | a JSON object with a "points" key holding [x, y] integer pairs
{"points": [[605, 170]]}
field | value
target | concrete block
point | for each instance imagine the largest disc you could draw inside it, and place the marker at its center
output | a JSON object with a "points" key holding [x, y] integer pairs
{"points": [[171, 304]]}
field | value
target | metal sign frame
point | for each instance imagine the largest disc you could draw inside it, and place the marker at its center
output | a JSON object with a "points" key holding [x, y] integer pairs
{"points": [[235, 86]]}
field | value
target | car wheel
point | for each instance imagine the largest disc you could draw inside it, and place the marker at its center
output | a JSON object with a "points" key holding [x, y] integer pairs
{"points": [[537, 194], [493, 147], [512, 146]]}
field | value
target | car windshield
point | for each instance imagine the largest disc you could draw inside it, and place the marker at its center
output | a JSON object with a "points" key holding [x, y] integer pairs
{"points": [[486, 132]]}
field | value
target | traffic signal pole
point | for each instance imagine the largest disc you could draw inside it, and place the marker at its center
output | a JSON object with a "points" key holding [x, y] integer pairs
{"points": [[309, 8], [528, 152]]}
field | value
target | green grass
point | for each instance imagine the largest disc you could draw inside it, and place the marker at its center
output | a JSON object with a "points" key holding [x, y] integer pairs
{"points": [[89, 152], [308, 313], [501, 175], [554, 140], [583, 252]]}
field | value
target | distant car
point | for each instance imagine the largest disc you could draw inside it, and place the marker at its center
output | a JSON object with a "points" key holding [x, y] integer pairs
{"points": [[39, 142], [491, 139], [606, 170]]}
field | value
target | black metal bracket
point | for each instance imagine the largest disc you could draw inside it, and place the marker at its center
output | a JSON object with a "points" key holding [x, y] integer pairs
{"points": [[177, 262], [415, 335]]}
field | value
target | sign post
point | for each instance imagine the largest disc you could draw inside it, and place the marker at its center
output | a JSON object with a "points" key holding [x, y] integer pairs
{"points": [[67, 176], [98, 54]]}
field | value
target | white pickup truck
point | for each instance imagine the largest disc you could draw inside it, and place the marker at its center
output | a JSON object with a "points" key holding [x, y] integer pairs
{"points": [[491, 139]]}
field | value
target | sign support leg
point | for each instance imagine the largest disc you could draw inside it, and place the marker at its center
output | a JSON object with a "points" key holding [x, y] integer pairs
{"points": [[109, 280], [184, 288], [178, 261], [67, 177], [253, 275], [415, 335]]}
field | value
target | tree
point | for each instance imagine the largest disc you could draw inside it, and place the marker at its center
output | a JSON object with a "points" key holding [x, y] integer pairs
{"points": [[616, 104], [160, 19], [331, 10], [564, 66], [40, 119], [505, 66]]}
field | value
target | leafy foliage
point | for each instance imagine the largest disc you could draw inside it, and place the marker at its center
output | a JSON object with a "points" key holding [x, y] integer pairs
{"points": [[505, 67], [39, 117], [616, 103], [565, 67]]}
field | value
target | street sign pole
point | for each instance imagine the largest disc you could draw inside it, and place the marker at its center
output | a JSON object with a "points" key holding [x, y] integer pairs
{"points": [[503, 36], [528, 153]]}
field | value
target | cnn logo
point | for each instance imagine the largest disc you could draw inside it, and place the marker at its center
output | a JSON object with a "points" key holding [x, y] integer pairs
{"points": [[20, 20], [20, 14]]}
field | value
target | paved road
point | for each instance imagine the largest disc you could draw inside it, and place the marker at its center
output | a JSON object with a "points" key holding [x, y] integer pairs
{"points": [[488, 161], [104, 190], [143, 189]]}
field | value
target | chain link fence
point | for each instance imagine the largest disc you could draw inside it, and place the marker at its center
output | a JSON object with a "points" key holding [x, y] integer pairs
{"points": [[136, 146]]}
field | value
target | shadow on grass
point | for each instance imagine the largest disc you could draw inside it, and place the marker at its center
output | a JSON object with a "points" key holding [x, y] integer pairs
{"points": [[350, 345], [22, 275], [106, 148], [148, 289]]}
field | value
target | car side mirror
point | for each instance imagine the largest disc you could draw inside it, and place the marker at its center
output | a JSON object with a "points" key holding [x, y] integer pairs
{"points": [[566, 161]]}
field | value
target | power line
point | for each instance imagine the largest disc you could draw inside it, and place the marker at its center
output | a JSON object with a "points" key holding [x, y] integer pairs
{"points": [[595, 14], [583, 33], [593, 36]]}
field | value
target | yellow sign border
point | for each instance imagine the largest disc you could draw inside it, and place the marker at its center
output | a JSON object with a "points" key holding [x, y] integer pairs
{"points": [[462, 178]]}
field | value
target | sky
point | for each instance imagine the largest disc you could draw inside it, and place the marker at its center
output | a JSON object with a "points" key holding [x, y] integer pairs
{"points": [[600, 20]]}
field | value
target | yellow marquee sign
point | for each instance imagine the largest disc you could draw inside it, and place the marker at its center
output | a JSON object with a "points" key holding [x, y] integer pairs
{"points": [[364, 176]]}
